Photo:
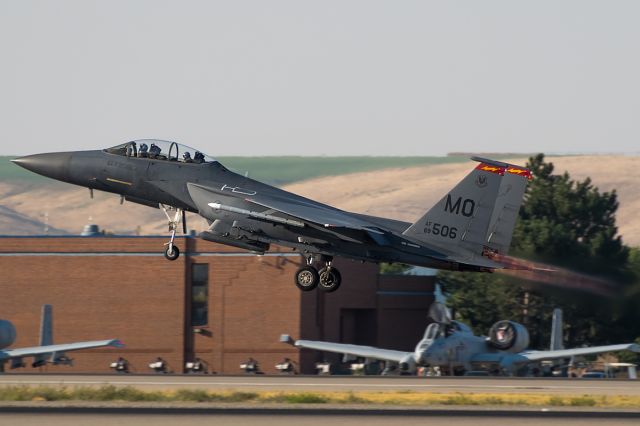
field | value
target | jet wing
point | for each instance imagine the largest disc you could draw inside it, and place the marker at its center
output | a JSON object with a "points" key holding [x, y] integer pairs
{"points": [[326, 217], [50, 349], [294, 206], [530, 356], [355, 350], [567, 353]]}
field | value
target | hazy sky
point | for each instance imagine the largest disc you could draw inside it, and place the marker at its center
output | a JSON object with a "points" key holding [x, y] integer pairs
{"points": [[323, 77]]}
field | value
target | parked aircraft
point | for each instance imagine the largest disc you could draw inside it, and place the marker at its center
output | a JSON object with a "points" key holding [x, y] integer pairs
{"points": [[46, 352], [452, 346], [469, 229]]}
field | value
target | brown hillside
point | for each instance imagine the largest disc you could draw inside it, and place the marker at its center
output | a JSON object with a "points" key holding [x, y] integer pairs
{"points": [[405, 194], [69, 208]]}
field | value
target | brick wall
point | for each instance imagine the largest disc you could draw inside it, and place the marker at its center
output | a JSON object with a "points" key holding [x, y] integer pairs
{"points": [[122, 287]]}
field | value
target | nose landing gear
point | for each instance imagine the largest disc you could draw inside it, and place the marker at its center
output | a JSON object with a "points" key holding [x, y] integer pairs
{"points": [[171, 251], [327, 279]]}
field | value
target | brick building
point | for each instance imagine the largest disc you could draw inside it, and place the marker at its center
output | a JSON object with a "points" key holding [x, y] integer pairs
{"points": [[215, 302]]}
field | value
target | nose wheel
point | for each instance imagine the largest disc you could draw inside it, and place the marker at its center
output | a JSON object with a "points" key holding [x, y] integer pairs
{"points": [[171, 251]]}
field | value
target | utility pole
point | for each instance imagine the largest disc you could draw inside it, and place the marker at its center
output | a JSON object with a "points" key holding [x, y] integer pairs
{"points": [[46, 223], [525, 308]]}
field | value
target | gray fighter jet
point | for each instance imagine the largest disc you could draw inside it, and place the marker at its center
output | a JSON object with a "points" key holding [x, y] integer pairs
{"points": [[451, 345], [46, 352], [467, 230]]}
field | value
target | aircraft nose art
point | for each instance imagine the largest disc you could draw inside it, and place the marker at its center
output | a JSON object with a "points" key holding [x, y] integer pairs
{"points": [[54, 165]]}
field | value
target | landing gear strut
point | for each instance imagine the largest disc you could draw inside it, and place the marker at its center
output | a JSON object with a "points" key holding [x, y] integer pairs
{"points": [[171, 251], [328, 278]]}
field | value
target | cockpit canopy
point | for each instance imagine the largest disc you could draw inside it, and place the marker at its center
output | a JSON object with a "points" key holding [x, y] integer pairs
{"points": [[160, 150]]}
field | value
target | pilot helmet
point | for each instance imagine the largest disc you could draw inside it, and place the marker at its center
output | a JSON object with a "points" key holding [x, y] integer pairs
{"points": [[186, 155], [143, 147]]}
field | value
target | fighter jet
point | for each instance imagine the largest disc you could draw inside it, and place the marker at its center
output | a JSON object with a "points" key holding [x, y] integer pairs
{"points": [[467, 230], [46, 352], [452, 346]]}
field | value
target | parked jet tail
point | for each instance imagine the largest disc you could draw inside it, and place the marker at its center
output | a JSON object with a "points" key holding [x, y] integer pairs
{"points": [[477, 217], [46, 326], [556, 331]]}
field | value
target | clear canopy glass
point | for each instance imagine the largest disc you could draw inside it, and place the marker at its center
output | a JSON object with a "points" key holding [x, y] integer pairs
{"points": [[160, 150]]}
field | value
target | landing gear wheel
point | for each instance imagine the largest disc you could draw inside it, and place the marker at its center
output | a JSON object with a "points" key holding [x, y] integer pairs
{"points": [[307, 278], [171, 252], [330, 279]]}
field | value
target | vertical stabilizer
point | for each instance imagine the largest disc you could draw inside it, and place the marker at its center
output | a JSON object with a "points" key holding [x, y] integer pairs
{"points": [[477, 214], [506, 208], [46, 326], [556, 330]]}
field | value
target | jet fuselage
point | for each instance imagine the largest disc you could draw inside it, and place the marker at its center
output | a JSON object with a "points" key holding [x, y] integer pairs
{"points": [[153, 181], [467, 230]]}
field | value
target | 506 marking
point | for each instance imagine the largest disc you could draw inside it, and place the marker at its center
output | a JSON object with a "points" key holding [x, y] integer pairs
{"points": [[444, 231]]}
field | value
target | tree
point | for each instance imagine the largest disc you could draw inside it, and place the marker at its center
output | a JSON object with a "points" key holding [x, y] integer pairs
{"points": [[393, 268], [568, 222]]}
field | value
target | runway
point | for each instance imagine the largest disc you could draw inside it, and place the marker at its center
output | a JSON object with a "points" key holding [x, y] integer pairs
{"points": [[251, 416], [250, 420], [555, 386]]}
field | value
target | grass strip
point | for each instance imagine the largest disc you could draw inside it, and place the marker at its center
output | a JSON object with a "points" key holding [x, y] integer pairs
{"points": [[408, 398]]}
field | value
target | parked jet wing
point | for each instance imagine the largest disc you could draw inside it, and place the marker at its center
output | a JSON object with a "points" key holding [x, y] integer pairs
{"points": [[50, 349], [530, 356], [344, 348], [567, 353]]}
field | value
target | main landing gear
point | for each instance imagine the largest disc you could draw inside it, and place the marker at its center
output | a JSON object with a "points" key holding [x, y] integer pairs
{"points": [[171, 251], [327, 279]]}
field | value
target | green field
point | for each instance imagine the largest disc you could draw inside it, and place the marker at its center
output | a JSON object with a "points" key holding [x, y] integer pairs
{"points": [[278, 170], [11, 172], [282, 170]]}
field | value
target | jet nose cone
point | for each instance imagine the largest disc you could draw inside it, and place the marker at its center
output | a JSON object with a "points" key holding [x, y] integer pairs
{"points": [[54, 165]]}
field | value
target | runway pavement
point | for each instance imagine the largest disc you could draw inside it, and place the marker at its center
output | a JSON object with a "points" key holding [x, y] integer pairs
{"points": [[555, 386], [250, 420], [251, 416]]}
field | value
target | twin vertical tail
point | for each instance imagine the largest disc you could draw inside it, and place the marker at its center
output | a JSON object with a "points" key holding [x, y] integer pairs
{"points": [[477, 217]]}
